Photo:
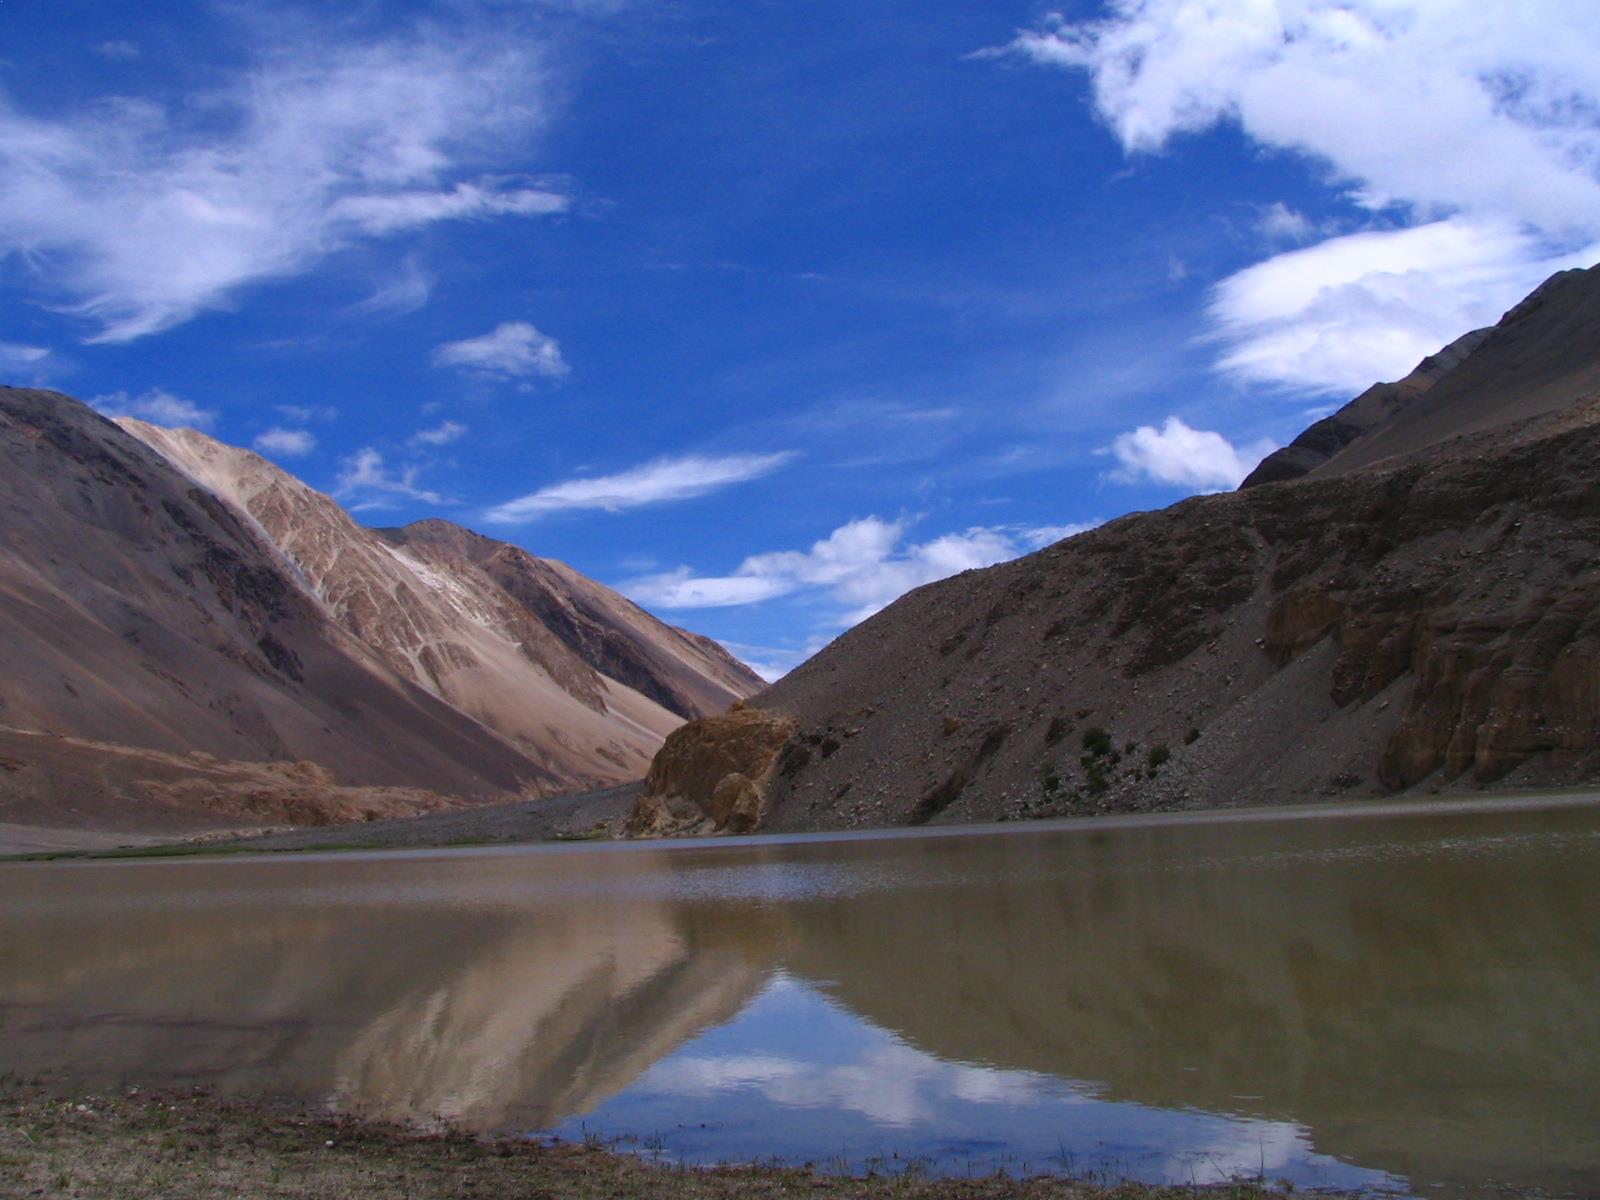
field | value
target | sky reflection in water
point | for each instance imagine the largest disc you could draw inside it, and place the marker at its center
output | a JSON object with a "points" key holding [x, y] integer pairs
{"points": [[798, 1078]]}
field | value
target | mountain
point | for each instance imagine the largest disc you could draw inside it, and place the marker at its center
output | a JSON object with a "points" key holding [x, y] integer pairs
{"points": [[1413, 603], [190, 637], [572, 673]]}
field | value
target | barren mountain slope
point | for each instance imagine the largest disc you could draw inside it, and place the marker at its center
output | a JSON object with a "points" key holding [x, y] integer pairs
{"points": [[1374, 407], [1542, 354], [436, 618], [136, 610], [685, 673], [1430, 621]]}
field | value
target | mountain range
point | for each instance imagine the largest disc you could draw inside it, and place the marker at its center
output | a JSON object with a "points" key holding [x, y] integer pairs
{"points": [[1406, 598], [192, 638]]}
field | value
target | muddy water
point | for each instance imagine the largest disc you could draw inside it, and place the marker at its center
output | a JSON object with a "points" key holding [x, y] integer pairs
{"points": [[1376, 997]]}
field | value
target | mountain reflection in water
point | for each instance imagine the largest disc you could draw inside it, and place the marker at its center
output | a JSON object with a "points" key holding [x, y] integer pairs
{"points": [[1331, 999]]}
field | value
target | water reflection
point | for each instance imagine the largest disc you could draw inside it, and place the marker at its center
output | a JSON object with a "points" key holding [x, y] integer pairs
{"points": [[853, 1096], [480, 1007], [1417, 996]]}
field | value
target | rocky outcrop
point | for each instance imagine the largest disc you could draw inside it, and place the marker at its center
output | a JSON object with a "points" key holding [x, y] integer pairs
{"points": [[711, 775]]}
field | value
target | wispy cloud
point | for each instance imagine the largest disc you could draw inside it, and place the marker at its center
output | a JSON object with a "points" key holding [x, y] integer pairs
{"points": [[441, 434], [285, 443], [1337, 316], [368, 482], [1280, 223], [404, 292], [1473, 126], [31, 363], [302, 414], [659, 482], [511, 350], [1196, 460], [158, 406], [1041, 536], [118, 50], [137, 217], [861, 566]]}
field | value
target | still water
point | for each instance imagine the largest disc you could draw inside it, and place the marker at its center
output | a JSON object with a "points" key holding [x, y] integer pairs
{"points": [[1385, 997]]}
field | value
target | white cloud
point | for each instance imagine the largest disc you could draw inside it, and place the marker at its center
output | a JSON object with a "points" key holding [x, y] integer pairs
{"points": [[862, 565], [772, 663], [1196, 459], [1338, 316], [405, 292], [302, 414], [441, 434], [1474, 123], [30, 362], [1437, 104], [1280, 223], [365, 477], [1048, 535], [118, 50], [889, 1083], [138, 217], [15, 352], [397, 211], [158, 406], [511, 350], [658, 482], [288, 443]]}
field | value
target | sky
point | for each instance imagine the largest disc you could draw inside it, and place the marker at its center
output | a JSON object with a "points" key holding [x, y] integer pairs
{"points": [[761, 312]]}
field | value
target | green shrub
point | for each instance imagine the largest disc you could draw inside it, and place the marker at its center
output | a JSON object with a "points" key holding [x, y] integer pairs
{"points": [[1096, 741], [1191, 737], [1158, 755]]}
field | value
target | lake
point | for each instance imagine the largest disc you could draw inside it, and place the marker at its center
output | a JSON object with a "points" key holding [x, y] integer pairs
{"points": [[1377, 996]]}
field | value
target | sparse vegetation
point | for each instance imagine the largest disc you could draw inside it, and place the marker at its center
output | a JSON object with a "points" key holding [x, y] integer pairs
{"points": [[1191, 737], [1096, 741], [1158, 757]]}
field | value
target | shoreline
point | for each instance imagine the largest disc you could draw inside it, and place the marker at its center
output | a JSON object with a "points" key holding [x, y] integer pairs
{"points": [[187, 1145], [548, 823]]}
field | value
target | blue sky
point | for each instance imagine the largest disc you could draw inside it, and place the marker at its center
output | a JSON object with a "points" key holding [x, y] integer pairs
{"points": [[765, 312]]}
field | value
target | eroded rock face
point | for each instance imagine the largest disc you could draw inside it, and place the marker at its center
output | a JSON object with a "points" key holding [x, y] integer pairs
{"points": [[711, 775]]}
